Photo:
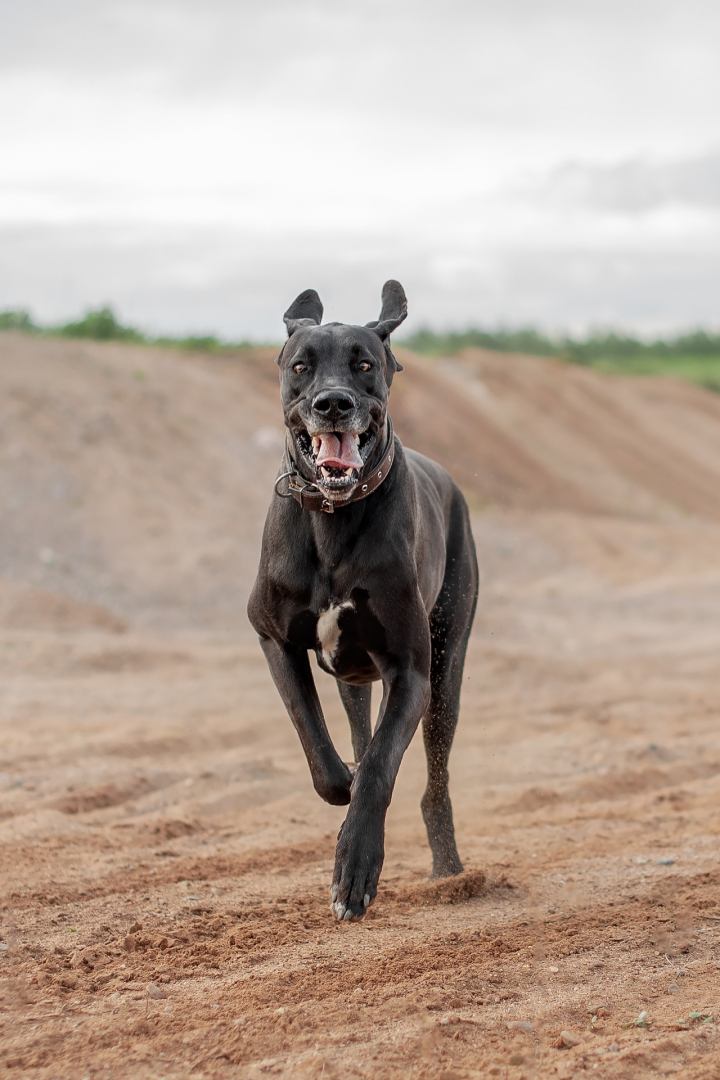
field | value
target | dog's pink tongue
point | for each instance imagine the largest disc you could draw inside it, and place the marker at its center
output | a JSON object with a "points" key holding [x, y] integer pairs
{"points": [[339, 453]]}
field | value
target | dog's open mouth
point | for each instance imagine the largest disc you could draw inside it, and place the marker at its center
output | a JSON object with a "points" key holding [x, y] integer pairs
{"points": [[336, 456]]}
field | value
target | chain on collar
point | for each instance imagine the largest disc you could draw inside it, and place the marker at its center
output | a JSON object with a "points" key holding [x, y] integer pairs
{"points": [[309, 495]]}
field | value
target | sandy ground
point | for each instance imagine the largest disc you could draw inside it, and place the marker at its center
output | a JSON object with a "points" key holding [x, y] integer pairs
{"points": [[166, 863], [165, 907]]}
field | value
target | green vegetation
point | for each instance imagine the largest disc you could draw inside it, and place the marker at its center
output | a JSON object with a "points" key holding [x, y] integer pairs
{"points": [[103, 325], [704, 370], [206, 343], [100, 325], [694, 356], [518, 341], [16, 320]]}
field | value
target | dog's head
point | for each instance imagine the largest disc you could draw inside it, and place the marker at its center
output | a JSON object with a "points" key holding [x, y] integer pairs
{"points": [[334, 383]]}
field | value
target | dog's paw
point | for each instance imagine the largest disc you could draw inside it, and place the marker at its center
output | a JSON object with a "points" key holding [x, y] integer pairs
{"points": [[335, 788], [358, 862]]}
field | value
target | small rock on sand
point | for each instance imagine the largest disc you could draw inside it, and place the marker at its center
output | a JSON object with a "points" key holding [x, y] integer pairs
{"points": [[569, 1040], [155, 992], [520, 1025]]}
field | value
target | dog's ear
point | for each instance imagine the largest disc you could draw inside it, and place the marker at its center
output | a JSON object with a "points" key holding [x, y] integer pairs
{"points": [[306, 310], [394, 311]]}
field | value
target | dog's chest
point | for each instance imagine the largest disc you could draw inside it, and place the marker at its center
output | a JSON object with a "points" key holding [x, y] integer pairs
{"points": [[329, 630]]}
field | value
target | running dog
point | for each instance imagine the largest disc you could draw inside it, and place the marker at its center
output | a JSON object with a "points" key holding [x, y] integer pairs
{"points": [[367, 560]]}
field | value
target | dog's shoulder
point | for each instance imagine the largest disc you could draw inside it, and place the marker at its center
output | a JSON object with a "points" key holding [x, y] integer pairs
{"points": [[428, 472]]}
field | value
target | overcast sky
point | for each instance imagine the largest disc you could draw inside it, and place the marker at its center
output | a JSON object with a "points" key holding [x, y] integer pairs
{"points": [[554, 162]]}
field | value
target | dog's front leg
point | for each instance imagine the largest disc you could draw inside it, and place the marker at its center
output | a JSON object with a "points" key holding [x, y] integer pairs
{"points": [[292, 674], [361, 841]]}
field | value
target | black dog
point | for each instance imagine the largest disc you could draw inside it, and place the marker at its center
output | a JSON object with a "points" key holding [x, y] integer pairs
{"points": [[369, 561]]}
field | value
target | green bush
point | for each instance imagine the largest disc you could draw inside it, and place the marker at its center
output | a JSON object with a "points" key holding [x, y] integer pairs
{"points": [[17, 320], [100, 325]]}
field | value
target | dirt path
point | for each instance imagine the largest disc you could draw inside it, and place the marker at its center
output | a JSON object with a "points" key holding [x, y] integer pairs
{"points": [[166, 863]]}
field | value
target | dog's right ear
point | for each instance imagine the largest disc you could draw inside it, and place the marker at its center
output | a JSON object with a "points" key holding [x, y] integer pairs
{"points": [[306, 310]]}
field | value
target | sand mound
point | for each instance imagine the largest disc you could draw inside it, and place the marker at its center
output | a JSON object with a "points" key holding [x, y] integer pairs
{"points": [[539, 433], [452, 890]]}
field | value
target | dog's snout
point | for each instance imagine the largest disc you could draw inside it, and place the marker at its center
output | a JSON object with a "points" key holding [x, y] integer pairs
{"points": [[334, 404]]}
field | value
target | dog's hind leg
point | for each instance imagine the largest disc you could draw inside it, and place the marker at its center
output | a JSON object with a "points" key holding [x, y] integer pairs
{"points": [[450, 625], [438, 730], [356, 700]]}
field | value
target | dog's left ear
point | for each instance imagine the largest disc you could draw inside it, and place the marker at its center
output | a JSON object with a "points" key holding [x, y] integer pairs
{"points": [[394, 311], [305, 310]]}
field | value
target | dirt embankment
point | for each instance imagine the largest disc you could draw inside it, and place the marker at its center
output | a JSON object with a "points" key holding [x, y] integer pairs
{"points": [[527, 432], [165, 861]]}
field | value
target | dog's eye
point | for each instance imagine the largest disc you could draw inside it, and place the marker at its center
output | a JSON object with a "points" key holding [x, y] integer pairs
{"points": [[299, 368], [364, 366]]}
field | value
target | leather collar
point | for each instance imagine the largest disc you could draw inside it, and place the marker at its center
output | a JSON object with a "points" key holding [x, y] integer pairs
{"points": [[310, 497]]}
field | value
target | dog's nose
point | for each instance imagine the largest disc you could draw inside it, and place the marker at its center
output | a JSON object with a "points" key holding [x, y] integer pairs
{"points": [[333, 404]]}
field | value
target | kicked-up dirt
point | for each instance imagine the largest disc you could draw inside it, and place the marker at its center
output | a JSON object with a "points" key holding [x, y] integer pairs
{"points": [[165, 862]]}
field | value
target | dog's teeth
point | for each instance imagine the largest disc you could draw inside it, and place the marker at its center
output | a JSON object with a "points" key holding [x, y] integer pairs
{"points": [[357, 439], [325, 472], [349, 472], [316, 441]]}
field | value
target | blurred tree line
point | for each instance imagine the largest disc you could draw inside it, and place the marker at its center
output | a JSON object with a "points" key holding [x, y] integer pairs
{"points": [[103, 325], [697, 343]]}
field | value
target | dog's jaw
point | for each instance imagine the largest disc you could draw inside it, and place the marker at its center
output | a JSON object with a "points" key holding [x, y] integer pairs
{"points": [[334, 459]]}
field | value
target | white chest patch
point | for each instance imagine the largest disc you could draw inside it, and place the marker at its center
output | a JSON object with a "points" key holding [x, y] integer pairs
{"points": [[328, 630]]}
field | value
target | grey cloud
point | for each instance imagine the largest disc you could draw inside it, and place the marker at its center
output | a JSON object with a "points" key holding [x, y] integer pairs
{"points": [[238, 285], [635, 187], [463, 60]]}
